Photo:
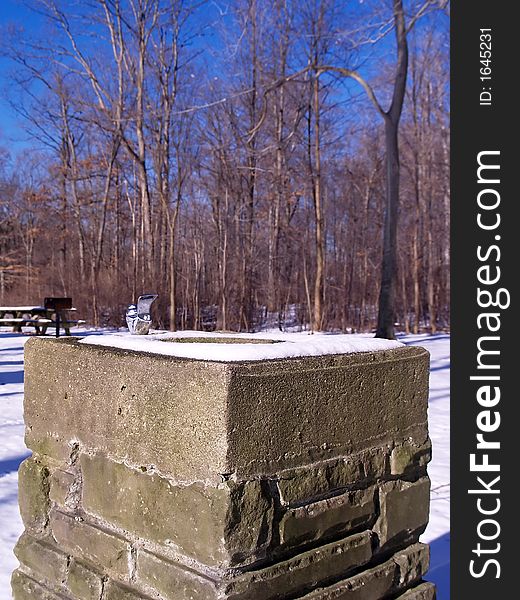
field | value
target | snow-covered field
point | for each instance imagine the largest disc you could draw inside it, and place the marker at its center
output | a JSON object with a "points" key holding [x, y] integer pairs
{"points": [[13, 451]]}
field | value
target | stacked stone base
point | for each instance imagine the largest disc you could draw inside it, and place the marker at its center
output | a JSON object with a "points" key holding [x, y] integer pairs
{"points": [[154, 478], [347, 528]]}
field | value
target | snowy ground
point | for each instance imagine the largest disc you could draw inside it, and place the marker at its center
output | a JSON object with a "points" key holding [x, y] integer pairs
{"points": [[13, 451]]}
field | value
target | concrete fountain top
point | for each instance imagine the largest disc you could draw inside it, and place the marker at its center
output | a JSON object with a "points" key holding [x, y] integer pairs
{"points": [[234, 347]]}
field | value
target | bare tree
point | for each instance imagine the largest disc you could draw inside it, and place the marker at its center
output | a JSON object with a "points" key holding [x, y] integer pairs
{"points": [[241, 173], [391, 118]]}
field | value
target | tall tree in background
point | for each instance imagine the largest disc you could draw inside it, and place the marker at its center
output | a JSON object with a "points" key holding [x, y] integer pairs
{"points": [[317, 31], [391, 118]]}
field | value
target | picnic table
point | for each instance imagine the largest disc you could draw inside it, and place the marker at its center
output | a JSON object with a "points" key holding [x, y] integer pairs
{"points": [[38, 317]]}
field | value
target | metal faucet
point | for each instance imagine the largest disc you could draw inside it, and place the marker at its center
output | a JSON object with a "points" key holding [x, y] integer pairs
{"points": [[138, 317]]}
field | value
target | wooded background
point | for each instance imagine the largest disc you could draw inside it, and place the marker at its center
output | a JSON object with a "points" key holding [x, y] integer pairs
{"points": [[229, 157]]}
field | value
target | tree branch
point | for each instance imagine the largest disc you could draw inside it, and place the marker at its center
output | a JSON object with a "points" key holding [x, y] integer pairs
{"points": [[421, 12], [356, 77]]}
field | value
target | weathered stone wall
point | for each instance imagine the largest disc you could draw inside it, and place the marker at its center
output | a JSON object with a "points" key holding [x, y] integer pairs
{"points": [[174, 479]]}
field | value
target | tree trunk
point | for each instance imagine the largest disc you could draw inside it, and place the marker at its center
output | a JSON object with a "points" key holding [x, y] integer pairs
{"points": [[430, 285], [386, 315], [416, 288], [317, 321], [171, 263]]}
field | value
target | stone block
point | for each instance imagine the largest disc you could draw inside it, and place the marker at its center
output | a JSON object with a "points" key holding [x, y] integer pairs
{"points": [[146, 409], [372, 584], [320, 520], [198, 420], [26, 588], [33, 493], [286, 578], [375, 462], [316, 408], [249, 519], [404, 509], [408, 457], [89, 542], [424, 591], [61, 484], [117, 591], [47, 443], [216, 525], [42, 559], [413, 563], [173, 581], [381, 581], [84, 583], [310, 483]]}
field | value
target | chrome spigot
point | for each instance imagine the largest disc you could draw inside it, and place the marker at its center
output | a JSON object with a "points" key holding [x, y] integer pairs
{"points": [[138, 317]]}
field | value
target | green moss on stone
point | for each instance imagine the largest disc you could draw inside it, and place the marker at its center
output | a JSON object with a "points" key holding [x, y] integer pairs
{"points": [[83, 582], [211, 524], [33, 494]]}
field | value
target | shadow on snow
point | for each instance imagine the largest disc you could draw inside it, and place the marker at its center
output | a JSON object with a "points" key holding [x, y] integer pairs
{"points": [[441, 368], [12, 363], [439, 572], [10, 465], [11, 377]]}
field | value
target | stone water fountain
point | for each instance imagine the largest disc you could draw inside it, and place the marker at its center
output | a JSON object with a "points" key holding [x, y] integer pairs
{"points": [[220, 470]]}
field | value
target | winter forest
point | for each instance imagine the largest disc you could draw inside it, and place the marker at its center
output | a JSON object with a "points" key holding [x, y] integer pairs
{"points": [[280, 163]]}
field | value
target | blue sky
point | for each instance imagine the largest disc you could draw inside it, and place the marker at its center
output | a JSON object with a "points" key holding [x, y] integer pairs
{"points": [[12, 12]]}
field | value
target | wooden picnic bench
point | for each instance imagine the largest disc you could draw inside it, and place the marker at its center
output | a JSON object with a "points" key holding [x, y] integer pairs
{"points": [[39, 317]]}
